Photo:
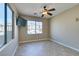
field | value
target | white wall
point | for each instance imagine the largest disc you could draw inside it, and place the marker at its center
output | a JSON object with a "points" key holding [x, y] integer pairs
{"points": [[9, 49], [65, 28]]}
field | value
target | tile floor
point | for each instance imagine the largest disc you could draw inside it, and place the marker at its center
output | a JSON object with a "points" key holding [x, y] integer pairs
{"points": [[44, 48]]}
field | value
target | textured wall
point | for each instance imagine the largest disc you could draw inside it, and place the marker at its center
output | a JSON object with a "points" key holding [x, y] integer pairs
{"points": [[24, 37]]}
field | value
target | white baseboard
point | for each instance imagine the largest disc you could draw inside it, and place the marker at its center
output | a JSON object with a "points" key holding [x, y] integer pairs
{"points": [[33, 40], [15, 51], [4, 49], [65, 45]]}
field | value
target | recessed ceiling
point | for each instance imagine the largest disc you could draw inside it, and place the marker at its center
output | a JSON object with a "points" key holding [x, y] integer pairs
{"points": [[34, 9]]}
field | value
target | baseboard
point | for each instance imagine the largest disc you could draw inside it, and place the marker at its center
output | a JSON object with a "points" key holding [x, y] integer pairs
{"points": [[15, 51], [65, 45], [33, 40], [5, 46]]}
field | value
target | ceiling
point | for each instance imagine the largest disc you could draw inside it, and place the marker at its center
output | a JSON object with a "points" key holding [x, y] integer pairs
{"points": [[34, 9]]}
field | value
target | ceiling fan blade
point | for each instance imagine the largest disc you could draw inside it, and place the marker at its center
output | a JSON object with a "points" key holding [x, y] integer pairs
{"points": [[42, 15], [49, 14], [44, 7], [53, 9]]}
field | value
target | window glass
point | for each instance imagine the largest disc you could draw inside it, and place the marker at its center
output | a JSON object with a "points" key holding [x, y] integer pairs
{"points": [[31, 27], [6, 24], [9, 24], [38, 27], [2, 26], [34, 27]]}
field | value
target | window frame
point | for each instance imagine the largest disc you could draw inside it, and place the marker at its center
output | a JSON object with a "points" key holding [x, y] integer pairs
{"points": [[29, 28], [35, 27], [5, 23], [39, 27], [7, 5]]}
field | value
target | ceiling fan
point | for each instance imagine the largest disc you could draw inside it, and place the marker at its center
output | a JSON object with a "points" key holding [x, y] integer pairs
{"points": [[47, 11]]}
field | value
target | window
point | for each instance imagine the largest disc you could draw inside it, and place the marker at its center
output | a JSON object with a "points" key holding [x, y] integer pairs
{"points": [[2, 25], [6, 24], [38, 27], [9, 23], [31, 27], [34, 27]]}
